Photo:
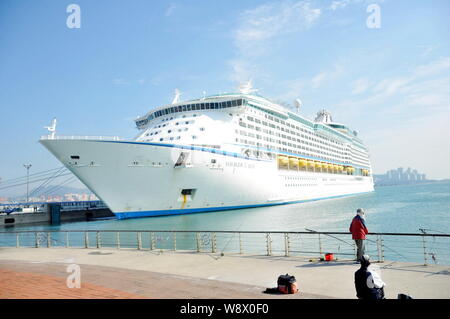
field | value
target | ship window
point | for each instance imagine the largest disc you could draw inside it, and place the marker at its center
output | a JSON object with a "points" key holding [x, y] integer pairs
{"points": [[234, 103], [189, 107], [202, 106], [184, 108], [75, 157]]}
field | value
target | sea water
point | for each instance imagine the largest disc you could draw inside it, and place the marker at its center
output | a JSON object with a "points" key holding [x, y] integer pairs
{"points": [[390, 209]]}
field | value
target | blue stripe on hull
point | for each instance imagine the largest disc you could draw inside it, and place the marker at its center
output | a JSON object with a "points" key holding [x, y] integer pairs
{"points": [[167, 212]]}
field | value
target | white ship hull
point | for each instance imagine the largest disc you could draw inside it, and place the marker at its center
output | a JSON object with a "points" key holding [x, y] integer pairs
{"points": [[137, 179]]}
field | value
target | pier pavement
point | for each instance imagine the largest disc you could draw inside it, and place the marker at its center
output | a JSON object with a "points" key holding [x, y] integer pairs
{"points": [[129, 273]]}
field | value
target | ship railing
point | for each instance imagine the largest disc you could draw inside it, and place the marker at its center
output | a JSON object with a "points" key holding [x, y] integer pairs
{"points": [[81, 137], [423, 248]]}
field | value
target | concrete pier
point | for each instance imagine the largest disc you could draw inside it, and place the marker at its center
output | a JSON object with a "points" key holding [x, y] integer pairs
{"points": [[205, 275]]}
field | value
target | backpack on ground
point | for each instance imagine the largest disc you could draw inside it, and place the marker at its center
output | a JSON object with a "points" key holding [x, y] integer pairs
{"points": [[287, 284]]}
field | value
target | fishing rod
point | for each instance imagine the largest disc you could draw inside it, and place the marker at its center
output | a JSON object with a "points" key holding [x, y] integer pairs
{"points": [[313, 231], [372, 241]]}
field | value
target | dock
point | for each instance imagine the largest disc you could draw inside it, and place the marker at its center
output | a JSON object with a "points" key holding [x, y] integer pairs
{"points": [[130, 273], [53, 213]]}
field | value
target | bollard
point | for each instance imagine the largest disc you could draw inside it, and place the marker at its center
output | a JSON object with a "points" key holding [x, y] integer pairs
{"points": [[67, 240], [320, 246], [268, 244], [240, 244], [49, 240], [36, 235], [152, 241], [197, 237], [286, 245], [424, 251], [98, 240], [139, 241], [86, 240], [17, 240], [118, 240], [213, 243], [380, 248], [174, 238]]}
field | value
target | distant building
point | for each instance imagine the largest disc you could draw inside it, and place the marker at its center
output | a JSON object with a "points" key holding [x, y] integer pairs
{"points": [[399, 176]]}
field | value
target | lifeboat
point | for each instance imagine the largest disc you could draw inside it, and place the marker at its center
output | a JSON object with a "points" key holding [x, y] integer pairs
{"points": [[318, 164], [283, 161], [310, 163], [302, 162], [293, 162]]}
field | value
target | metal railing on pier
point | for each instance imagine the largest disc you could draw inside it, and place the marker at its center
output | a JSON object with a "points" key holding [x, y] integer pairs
{"points": [[408, 247]]}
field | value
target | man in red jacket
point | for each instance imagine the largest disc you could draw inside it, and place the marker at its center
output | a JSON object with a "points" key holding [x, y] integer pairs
{"points": [[359, 231]]}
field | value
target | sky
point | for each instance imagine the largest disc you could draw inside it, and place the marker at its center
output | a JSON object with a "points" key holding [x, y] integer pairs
{"points": [[384, 72]]}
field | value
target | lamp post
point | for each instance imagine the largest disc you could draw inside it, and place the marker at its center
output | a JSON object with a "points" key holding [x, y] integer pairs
{"points": [[27, 166]]}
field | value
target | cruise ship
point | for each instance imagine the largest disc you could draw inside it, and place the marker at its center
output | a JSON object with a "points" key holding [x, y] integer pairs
{"points": [[216, 153]]}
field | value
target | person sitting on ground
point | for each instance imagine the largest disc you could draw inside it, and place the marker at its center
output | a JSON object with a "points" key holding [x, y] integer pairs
{"points": [[368, 282]]}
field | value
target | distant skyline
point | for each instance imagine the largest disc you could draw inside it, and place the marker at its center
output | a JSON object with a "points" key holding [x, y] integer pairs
{"points": [[390, 82]]}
